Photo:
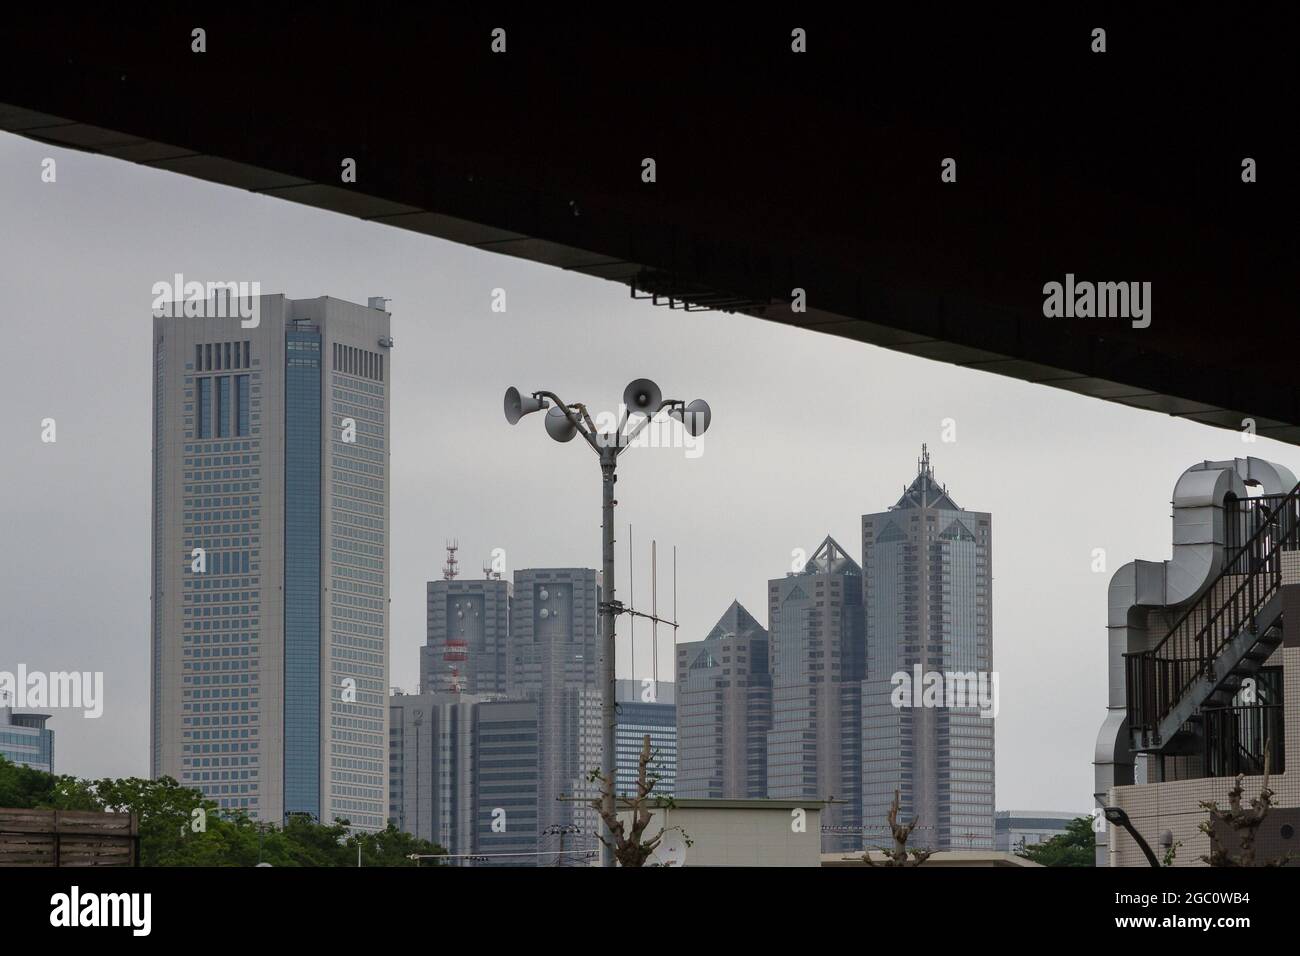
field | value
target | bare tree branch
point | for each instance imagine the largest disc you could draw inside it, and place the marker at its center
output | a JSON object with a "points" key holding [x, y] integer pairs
{"points": [[627, 845], [898, 854], [1242, 822]]}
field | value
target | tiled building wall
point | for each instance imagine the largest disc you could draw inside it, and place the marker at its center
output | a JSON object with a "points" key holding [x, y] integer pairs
{"points": [[1175, 806]]}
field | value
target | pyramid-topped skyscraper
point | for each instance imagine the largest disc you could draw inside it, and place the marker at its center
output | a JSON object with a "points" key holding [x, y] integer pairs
{"points": [[817, 658], [724, 710], [927, 587]]}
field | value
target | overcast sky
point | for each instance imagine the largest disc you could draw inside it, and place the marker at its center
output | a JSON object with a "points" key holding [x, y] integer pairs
{"points": [[809, 432]]}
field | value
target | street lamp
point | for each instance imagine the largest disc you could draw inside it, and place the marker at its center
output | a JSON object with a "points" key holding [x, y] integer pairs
{"points": [[1117, 816], [563, 421]]}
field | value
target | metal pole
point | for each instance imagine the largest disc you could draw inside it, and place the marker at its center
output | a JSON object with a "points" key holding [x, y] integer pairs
{"points": [[608, 461], [417, 776], [654, 616], [631, 597]]}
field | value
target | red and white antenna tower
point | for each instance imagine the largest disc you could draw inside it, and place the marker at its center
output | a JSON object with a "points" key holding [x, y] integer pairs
{"points": [[455, 651]]}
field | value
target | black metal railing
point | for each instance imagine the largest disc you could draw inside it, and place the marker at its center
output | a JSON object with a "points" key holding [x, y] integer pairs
{"points": [[1245, 516], [1236, 739], [1258, 530]]}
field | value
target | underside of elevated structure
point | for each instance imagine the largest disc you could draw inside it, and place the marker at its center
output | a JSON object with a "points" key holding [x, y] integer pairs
{"points": [[801, 187]]}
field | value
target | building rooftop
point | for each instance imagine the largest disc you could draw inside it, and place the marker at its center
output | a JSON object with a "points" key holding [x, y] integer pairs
{"points": [[924, 491], [943, 858], [830, 558], [710, 803]]}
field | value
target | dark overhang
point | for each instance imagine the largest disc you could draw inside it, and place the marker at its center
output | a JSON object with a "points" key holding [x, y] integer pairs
{"points": [[775, 170]]}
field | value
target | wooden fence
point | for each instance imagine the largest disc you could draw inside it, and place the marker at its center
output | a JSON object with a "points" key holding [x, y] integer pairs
{"points": [[68, 838]]}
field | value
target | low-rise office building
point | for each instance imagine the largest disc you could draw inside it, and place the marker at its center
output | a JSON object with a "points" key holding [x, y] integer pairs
{"points": [[24, 739], [739, 832], [1013, 830]]}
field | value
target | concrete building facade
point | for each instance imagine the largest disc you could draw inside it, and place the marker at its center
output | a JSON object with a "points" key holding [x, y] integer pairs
{"points": [[432, 760], [269, 623], [738, 832], [468, 626]]}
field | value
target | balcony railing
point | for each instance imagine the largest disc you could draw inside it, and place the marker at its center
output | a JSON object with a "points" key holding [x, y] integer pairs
{"points": [[1236, 739], [1258, 531], [1244, 516]]}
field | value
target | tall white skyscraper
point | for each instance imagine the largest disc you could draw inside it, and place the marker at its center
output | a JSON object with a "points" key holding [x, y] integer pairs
{"points": [[270, 557]]}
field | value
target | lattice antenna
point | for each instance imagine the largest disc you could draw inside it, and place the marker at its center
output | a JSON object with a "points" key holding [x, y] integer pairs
{"points": [[452, 567]]}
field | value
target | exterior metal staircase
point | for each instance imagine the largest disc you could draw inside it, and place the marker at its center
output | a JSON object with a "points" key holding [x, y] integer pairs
{"points": [[1197, 669]]}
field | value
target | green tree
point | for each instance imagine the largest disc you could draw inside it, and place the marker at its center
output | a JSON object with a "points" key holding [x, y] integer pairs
{"points": [[391, 847], [22, 787], [1077, 846], [181, 827]]}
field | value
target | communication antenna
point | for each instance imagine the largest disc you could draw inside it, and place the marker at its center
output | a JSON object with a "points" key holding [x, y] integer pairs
{"points": [[452, 567], [455, 651], [654, 612], [653, 616]]}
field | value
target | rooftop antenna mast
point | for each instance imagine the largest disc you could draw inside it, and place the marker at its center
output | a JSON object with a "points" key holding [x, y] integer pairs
{"points": [[631, 595], [456, 648], [653, 616], [654, 612]]}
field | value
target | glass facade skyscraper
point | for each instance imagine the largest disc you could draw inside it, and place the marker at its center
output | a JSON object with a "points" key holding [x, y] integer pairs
{"points": [[646, 708], [817, 660], [724, 710], [928, 598], [554, 658], [270, 571], [302, 570], [508, 782]]}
